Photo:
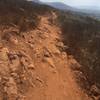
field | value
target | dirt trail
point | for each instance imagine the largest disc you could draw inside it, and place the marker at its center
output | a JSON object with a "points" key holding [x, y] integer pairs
{"points": [[37, 66], [56, 79]]}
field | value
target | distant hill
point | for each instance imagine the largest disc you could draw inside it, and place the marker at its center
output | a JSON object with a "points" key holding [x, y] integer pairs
{"points": [[60, 5], [93, 13], [88, 11], [37, 1]]}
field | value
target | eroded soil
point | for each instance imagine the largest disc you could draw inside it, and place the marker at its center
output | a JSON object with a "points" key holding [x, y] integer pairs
{"points": [[34, 65]]}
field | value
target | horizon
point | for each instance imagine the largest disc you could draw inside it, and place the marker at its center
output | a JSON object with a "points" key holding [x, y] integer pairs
{"points": [[82, 4]]}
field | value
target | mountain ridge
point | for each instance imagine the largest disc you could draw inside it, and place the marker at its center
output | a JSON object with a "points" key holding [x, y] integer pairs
{"points": [[86, 10]]}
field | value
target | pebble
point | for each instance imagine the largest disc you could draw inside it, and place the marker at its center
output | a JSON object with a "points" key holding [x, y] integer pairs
{"points": [[11, 87], [3, 54], [14, 40], [50, 62], [31, 66]]}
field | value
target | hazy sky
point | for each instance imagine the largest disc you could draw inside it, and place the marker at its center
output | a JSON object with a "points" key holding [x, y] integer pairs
{"points": [[78, 3]]}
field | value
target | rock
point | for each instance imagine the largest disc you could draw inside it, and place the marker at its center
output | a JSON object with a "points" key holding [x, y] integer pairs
{"points": [[14, 40], [31, 45], [95, 90], [31, 66], [64, 55], [74, 65], [54, 50], [24, 61], [60, 44], [14, 75], [4, 61], [5, 78], [47, 52], [15, 62], [11, 89], [4, 68], [1, 45], [21, 97], [3, 54], [46, 35], [50, 62], [39, 79], [0, 79], [57, 52], [27, 64]]}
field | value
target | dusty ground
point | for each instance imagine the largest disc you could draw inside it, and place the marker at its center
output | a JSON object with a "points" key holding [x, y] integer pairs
{"points": [[34, 66]]}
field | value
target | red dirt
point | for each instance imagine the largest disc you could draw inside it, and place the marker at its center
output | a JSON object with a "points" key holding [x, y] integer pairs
{"points": [[33, 66]]}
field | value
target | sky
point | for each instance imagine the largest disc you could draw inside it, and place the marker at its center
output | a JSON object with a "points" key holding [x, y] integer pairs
{"points": [[78, 3]]}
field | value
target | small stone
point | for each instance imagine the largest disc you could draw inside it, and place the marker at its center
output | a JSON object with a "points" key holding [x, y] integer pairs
{"points": [[0, 79], [21, 97], [95, 90], [14, 40], [31, 66], [24, 61], [50, 62], [39, 79], [5, 78], [15, 63], [57, 51], [46, 54], [54, 71], [1, 45], [11, 87], [60, 44], [31, 45], [3, 54], [14, 75]]}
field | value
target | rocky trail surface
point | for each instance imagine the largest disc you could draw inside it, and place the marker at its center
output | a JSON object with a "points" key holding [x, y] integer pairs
{"points": [[34, 65]]}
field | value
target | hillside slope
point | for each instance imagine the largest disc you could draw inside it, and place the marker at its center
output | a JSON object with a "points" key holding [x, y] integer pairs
{"points": [[40, 55], [34, 66], [82, 37]]}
